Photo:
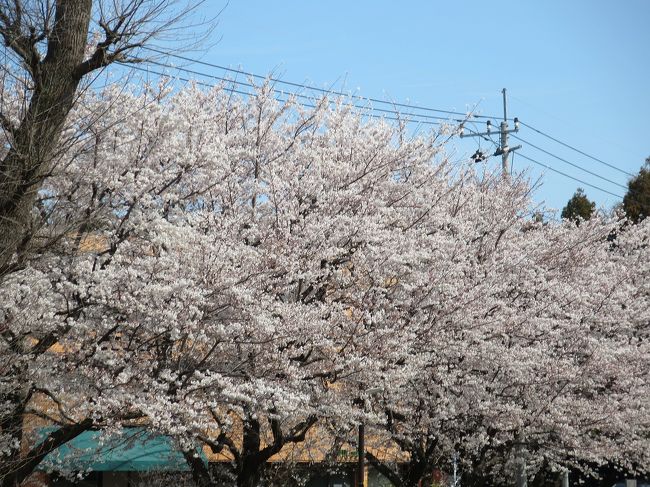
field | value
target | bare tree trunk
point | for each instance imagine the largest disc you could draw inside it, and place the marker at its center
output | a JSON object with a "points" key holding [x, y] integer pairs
{"points": [[251, 459], [56, 79], [252, 464], [22, 170], [45, 43], [250, 475], [200, 473]]}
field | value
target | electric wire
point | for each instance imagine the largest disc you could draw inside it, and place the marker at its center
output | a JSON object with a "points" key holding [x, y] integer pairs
{"points": [[306, 105], [612, 166], [376, 100], [550, 168], [397, 116], [569, 176], [321, 90], [568, 162], [301, 95]]}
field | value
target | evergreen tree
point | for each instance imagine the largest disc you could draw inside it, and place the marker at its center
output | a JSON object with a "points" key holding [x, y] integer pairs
{"points": [[636, 202], [579, 207]]}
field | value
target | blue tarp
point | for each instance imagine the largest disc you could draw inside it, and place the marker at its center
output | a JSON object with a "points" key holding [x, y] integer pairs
{"points": [[134, 450]]}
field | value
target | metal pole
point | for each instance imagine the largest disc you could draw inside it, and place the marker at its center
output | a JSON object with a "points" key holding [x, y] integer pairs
{"points": [[520, 464], [361, 453], [505, 164], [565, 478], [521, 480], [504, 149]]}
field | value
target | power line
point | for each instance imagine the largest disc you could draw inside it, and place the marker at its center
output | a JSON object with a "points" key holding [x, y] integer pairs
{"points": [[187, 80], [396, 114], [569, 162], [376, 100], [321, 90], [306, 105], [577, 150], [569, 176], [555, 170], [298, 95]]}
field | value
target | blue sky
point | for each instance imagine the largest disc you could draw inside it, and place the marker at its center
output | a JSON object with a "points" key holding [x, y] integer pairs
{"points": [[578, 70]]}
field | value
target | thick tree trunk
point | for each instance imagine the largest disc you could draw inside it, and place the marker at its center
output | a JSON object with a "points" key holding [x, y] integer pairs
{"points": [[251, 465], [251, 460], [27, 162], [250, 475], [55, 81], [200, 473]]}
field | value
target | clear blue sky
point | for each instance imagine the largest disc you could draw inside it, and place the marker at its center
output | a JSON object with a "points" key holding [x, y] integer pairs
{"points": [[576, 69]]}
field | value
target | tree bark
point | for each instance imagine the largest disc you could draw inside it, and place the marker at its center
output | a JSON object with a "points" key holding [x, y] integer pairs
{"points": [[251, 460], [250, 473], [200, 473], [28, 161], [32, 145]]}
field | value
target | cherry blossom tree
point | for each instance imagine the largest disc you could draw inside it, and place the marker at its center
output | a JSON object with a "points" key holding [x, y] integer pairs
{"points": [[53, 52], [237, 273], [522, 353], [219, 257], [53, 48]]}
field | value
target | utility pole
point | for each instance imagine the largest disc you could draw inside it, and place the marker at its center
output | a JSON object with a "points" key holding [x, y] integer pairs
{"points": [[361, 456], [455, 482], [504, 149], [565, 478], [361, 442], [521, 479]]}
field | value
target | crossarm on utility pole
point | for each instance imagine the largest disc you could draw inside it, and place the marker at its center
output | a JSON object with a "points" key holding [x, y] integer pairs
{"points": [[504, 149]]}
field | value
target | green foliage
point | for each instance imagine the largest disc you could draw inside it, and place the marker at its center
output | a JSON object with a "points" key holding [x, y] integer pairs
{"points": [[579, 207], [636, 202]]}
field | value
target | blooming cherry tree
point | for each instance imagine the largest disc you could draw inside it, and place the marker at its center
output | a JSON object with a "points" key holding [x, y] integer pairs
{"points": [[236, 273]]}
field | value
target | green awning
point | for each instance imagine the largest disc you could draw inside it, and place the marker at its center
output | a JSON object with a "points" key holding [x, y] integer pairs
{"points": [[135, 450]]}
